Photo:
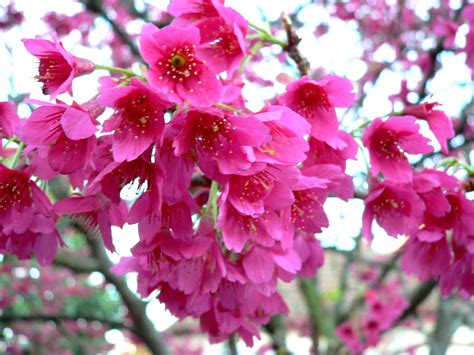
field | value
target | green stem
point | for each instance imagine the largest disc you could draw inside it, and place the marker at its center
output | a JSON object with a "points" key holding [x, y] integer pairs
{"points": [[366, 161], [360, 127], [453, 162], [267, 36], [211, 206], [21, 146], [118, 70], [321, 323], [225, 107], [213, 198]]}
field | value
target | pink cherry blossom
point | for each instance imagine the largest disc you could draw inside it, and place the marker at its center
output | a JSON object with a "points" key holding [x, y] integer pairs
{"points": [[440, 124], [316, 101], [175, 66], [221, 143], [62, 133], [9, 120], [57, 67], [397, 208], [138, 119], [26, 218], [388, 141]]}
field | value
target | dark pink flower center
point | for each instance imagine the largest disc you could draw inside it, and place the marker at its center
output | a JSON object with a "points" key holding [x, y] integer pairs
{"points": [[255, 187], [388, 203], [181, 64], [212, 133], [387, 145], [303, 207], [14, 191], [137, 113], [53, 69], [224, 40], [309, 97]]}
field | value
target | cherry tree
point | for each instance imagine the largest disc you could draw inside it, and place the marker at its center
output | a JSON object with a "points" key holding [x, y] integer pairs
{"points": [[232, 146]]}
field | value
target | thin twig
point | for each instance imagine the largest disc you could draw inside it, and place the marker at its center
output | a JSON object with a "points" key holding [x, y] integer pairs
{"points": [[292, 47], [96, 7], [58, 318]]}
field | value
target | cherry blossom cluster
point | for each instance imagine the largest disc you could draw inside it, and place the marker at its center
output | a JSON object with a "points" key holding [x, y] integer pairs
{"points": [[383, 306], [429, 206], [229, 199]]}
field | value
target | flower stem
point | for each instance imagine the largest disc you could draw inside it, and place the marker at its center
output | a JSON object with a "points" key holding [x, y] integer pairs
{"points": [[212, 201], [267, 36], [225, 107], [118, 70], [453, 162], [20, 148]]}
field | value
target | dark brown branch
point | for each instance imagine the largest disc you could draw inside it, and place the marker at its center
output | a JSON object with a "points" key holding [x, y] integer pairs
{"points": [[321, 324], [58, 318], [136, 307], [359, 301], [292, 47], [76, 264], [446, 324], [96, 7], [276, 330], [419, 295], [434, 54]]}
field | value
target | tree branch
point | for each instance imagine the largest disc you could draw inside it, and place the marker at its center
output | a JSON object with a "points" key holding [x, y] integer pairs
{"points": [[359, 301], [136, 307], [419, 295], [76, 264], [292, 47], [276, 330], [96, 7], [58, 318], [446, 324], [321, 324]]}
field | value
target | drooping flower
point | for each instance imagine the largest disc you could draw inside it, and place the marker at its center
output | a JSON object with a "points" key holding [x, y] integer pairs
{"points": [[95, 211], [240, 309], [62, 133], [147, 175], [388, 142], [175, 67], [138, 121], [190, 11], [426, 254], [316, 101], [459, 276], [287, 131], [223, 45], [335, 151], [238, 229], [253, 194], [16, 204], [440, 124], [57, 67], [397, 208], [431, 186], [310, 252], [26, 218]]}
